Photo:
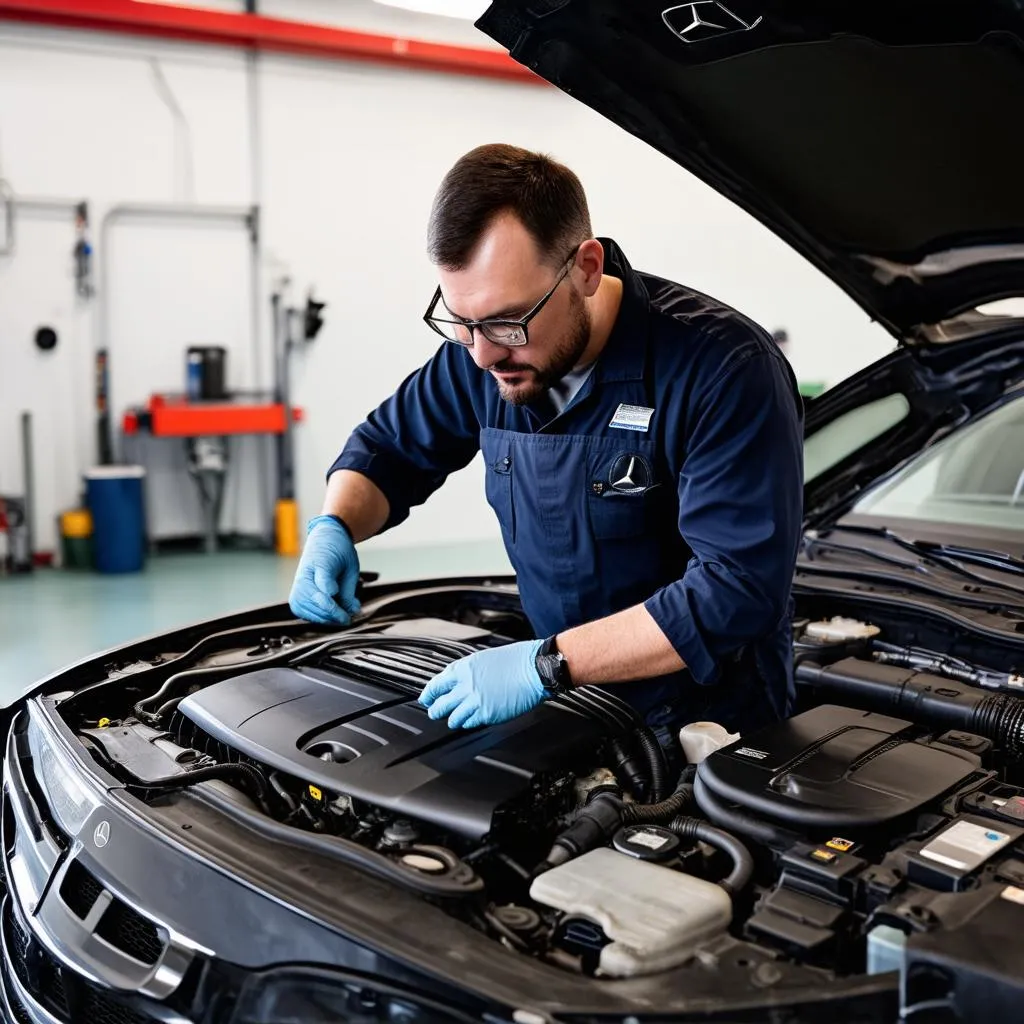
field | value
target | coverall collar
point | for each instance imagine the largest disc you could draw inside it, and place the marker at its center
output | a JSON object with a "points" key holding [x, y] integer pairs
{"points": [[625, 353]]}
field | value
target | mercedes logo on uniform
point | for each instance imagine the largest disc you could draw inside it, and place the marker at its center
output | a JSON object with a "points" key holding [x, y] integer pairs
{"points": [[102, 834], [705, 19], [630, 474]]}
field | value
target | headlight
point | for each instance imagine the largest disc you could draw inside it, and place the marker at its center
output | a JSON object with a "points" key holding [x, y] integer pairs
{"points": [[70, 799]]}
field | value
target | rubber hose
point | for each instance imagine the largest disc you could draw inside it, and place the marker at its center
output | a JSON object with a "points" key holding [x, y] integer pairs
{"points": [[217, 772], [656, 764], [924, 698], [742, 863], [736, 821], [665, 810], [630, 767], [283, 795]]}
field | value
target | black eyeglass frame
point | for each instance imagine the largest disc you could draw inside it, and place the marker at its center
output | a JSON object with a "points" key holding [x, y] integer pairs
{"points": [[473, 325]]}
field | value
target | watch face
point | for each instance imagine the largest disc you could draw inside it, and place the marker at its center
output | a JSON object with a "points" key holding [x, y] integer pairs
{"points": [[553, 672]]}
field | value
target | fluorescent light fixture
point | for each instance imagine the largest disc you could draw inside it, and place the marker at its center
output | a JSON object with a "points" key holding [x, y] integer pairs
{"points": [[469, 9]]}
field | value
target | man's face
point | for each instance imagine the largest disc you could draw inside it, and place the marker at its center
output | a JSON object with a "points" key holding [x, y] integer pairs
{"points": [[506, 278]]}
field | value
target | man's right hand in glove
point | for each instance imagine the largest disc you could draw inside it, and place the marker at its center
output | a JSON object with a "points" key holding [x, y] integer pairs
{"points": [[328, 569]]}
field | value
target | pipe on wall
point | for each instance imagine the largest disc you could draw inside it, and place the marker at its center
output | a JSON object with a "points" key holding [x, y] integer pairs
{"points": [[247, 216], [255, 31]]}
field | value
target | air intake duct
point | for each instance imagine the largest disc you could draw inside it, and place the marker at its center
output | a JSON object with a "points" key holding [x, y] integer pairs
{"points": [[924, 699]]}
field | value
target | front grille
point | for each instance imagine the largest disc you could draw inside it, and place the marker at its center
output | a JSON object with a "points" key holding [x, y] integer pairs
{"points": [[20, 1013], [131, 933], [51, 981], [80, 890], [101, 1009], [120, 925], [56, 988]]}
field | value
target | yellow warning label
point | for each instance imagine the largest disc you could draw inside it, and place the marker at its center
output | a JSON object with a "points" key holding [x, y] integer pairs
{"points": [[842, 845], [315, 793], [104, 722], [823, 855]]}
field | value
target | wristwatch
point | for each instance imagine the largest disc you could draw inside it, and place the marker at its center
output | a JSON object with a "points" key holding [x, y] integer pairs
{"points": [[553, 669]]}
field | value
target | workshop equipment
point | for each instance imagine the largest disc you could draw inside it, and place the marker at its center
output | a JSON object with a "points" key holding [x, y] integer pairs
{"points": [[76, 539], [208, 466], [15, 550], [210, 423], [16, 536], [286, 510], [114, 495], [28, 476], [104, 441], [206, 373]]}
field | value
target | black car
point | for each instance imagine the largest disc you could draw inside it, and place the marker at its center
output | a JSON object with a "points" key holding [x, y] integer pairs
{"points": [[251, 820]]}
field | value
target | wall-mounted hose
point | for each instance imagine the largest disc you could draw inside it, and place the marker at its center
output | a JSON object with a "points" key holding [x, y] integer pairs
{"points": [[742, 863]]}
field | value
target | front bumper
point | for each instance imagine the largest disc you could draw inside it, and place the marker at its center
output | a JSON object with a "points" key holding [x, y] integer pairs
{"points": [[120, 926]]}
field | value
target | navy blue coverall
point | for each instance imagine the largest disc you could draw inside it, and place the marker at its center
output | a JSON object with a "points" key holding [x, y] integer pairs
{"points": [[690, 501]]}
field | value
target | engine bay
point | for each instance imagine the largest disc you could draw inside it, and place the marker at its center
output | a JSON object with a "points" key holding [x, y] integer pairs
{"points": [[880, 828]]}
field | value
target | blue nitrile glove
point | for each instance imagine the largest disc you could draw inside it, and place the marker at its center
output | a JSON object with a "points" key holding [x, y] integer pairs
{"points": [[329, 565], [487, 687]]}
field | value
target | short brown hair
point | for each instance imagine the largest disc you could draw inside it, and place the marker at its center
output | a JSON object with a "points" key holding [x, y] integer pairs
{"points": [[490, 180]]}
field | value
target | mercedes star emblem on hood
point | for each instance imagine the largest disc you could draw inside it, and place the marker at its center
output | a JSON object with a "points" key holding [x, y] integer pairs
{"points": [[704, 19]]}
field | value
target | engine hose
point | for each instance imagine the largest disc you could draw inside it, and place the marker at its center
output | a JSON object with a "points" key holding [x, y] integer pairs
{"points": [[742, 863], [282, 794], [630, 769], [923, 698], [218, 772], [655, 762], [757, 829], [664, 810]]}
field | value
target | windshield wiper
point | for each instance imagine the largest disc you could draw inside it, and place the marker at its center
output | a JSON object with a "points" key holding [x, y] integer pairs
{"points": [[977, 556], [951, 555], [926, 553]]}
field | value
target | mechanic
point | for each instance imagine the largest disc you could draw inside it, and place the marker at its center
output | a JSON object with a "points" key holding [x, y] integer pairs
{"points": [[642, 446]]}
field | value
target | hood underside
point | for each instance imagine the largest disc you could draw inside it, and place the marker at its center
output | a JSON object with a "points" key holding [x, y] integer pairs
{"points": [[878, 137]]}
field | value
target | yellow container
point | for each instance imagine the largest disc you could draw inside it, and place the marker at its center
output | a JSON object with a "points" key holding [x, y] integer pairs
{"points": [[76, 523], [286, 527]]}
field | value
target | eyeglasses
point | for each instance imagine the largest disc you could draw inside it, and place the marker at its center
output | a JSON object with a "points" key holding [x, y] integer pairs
{"points": [[498, 331]]}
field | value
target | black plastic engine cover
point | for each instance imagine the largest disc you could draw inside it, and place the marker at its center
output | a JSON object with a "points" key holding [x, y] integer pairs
{"points": [[383, 749], [835, 767]]}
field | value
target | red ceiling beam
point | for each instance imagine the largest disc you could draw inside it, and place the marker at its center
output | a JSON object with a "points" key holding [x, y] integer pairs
{"points": [[253, 31]]}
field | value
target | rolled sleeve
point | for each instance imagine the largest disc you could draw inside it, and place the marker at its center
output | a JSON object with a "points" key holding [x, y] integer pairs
{"points": [[425, 431], [740, 512]]}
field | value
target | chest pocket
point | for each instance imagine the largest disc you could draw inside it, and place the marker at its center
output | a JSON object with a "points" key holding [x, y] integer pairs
{"points": [[621, 496], [497, 450]]}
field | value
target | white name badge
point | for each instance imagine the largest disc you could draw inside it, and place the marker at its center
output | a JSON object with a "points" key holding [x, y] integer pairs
{"points": [[632, 417]]}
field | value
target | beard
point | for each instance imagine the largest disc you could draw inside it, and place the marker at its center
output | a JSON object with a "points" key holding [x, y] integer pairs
{"points": [[564, 357]]}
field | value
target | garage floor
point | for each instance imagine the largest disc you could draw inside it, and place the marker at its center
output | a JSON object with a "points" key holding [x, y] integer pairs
{"points": [[52, 618]]}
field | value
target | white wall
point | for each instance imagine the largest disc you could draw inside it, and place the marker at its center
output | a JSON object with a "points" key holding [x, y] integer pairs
{"points": [[343, 160]]}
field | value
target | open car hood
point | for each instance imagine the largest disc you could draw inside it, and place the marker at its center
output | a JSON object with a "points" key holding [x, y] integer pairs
{"points": [[876, 137]]}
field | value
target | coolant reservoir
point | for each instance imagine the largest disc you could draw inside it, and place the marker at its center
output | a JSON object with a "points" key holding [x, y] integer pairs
{"points": [[654, 916], [698, 739], [839, 630]]}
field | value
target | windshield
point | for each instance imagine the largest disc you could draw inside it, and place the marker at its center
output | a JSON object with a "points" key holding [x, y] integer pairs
{"points": [[975, 477]]}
